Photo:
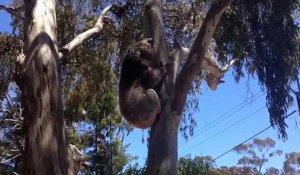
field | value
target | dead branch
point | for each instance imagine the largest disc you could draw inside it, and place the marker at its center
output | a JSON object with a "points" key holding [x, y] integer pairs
{"points": [[14, 11], [79, 39], [229, 64], [197, 54], [13, 157]]}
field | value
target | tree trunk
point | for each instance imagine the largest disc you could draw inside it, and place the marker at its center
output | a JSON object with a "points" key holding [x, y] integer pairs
{"points": [[163, 143], [162, 153], [38, 78]]}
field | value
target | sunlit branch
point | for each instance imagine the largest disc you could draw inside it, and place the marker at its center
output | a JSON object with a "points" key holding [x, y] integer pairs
{"points": [[79, 39]]}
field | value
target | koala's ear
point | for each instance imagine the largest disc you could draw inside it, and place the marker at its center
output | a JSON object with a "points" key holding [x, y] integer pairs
{"points": [[133, 54]]}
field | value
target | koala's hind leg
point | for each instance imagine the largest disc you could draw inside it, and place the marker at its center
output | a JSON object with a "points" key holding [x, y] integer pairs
{"points": [[149, 108], [142, 112], [152, 103]]}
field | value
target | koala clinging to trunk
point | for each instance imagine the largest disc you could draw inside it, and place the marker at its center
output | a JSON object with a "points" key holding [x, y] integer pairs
{"points": [[140, 82]]}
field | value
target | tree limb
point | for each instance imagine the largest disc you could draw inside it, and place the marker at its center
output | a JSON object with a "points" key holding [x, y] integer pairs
{"points": [[79, 39], [153, 28], [197, 54], [12, 10], [13, 157]]}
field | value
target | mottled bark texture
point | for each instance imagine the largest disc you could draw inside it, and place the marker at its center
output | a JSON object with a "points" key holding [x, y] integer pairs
{"points": [[38, 78], [37, 74]]}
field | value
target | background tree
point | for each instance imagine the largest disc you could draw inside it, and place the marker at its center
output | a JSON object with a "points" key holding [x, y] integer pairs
{"points": [[272, 171], [197, 165], [292, 163], [12, 138], [243, 37], [135, 170], [78, 77], [256, 154]]}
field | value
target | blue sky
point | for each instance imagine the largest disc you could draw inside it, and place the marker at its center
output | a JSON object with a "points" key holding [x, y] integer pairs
{"points": [[213, 104], [214, 140], [4, 18]]}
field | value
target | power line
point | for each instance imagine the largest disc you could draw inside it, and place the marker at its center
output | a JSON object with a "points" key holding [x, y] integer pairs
{"points": [[224, 116], [225, 129], [250, 138]]}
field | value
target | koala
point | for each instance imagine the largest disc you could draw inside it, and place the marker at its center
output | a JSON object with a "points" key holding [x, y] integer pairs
{"points": [[140, 83]]}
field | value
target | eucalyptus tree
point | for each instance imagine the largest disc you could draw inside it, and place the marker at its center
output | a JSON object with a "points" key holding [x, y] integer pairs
{"points": [[256, 154], [256, 37], [291, 164]]}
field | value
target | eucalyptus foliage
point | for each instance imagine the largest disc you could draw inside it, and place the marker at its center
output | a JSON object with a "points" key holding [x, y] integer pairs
{"points": [[261, 34]]}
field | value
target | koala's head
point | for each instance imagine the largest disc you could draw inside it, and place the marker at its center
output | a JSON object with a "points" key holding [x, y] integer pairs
{"points": [[143, 52]]}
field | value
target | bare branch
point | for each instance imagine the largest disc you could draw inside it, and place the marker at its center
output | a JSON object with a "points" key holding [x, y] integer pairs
{"points": [[7, 160], [12, 120], [13, 11], [78, 40], [291, 89], [197, 54], [229, 64]]}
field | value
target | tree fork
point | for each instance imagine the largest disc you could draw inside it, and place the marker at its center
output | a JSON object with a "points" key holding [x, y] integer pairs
{"points": [[163, 143]]}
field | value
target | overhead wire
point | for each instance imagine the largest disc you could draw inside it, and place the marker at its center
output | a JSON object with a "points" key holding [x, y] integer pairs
{"points": [[249, 138], [224, 116], [225, 129]]}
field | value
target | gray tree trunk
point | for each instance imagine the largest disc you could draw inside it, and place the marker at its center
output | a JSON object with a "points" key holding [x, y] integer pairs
{"points": [[163, 143], [38, 78]]}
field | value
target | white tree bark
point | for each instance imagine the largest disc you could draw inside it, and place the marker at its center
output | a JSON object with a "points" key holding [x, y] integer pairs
{"points": [[78, 40], [38, 79]]}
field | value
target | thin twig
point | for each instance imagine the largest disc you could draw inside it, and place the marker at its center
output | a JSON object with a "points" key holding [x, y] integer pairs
{"points": [[12, 10], [7, 160]]}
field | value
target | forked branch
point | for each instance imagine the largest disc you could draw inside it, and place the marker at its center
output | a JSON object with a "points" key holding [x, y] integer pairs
{"points": [[79, 39], [197, 54]]}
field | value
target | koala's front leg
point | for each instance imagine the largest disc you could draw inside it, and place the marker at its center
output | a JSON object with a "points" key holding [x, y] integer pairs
{"points": [[154, 76]]}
